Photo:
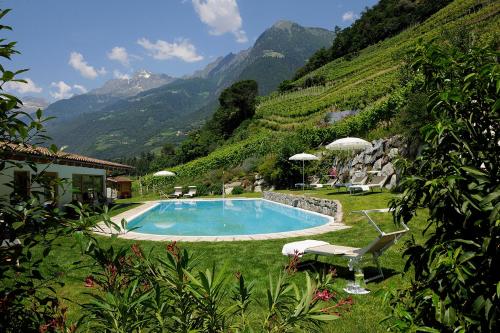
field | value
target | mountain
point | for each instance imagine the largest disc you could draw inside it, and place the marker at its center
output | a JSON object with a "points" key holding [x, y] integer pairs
{"points": [[370, 81], [139, 82], [126, 117], [100, 98], [32, 104]]}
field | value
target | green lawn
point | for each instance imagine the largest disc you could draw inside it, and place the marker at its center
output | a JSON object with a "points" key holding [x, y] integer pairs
{"points": [[257, 259]]}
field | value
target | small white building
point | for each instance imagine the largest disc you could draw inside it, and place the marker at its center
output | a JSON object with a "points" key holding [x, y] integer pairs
{"points": [[83, 178]]}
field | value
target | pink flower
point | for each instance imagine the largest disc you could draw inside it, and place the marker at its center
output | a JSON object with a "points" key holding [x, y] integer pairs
{"points": [[89, 281], [324, 295]]}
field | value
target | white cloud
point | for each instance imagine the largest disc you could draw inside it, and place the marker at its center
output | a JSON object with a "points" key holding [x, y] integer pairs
{"points": [[77, 61], [222, 16], [80, 88], [64, 90], [23, 88], [119, 75], [119, 54], [349, 16], [162, 50]]}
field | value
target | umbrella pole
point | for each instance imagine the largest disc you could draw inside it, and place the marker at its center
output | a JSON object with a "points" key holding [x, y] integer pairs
{"points": [[303, 179]]}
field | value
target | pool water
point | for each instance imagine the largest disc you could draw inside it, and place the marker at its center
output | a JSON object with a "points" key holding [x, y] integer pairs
{"points": [[223, 218]]}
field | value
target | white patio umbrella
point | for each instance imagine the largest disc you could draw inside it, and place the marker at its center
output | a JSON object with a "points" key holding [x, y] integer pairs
{"points": [[303, 157], [349, 143], [164, 173]]}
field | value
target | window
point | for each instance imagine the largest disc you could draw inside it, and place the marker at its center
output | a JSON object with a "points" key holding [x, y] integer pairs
{"points": [[87, 188], [22, 183], [51, 190]]}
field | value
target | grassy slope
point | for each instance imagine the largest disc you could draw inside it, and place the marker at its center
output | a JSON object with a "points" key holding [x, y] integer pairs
{"points": [[257, 259], [360, 83]]}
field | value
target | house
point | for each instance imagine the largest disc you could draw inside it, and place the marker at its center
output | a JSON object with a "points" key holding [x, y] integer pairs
{"points": [[119, 187], [83, 178]]}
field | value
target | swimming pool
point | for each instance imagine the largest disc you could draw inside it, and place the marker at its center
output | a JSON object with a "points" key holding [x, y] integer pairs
{"points": [[223, 218]]}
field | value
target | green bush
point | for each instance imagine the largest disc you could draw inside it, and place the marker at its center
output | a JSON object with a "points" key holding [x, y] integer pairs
{"points": [[455, 285], [237, 190], [138, 292]]}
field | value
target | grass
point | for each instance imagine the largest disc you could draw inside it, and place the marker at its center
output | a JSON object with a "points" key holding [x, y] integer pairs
{"points": [[259, 259]]}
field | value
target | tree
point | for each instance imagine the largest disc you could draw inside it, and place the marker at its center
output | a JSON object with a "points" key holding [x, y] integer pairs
{"points": [[455, 285], [237, 103]]}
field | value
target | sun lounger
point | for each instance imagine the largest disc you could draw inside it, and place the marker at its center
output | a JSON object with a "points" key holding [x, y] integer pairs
{"points": [[355, 255], [177, 192], [191, 192], [357, 180], [375, 182], [330, 183]]}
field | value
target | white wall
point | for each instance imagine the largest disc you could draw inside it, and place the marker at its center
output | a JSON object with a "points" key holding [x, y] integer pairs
{"points": [[63, 172]]}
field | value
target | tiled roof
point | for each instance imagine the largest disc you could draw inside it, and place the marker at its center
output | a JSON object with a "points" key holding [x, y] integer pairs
{"points": [[21, 150], [119, 179]]}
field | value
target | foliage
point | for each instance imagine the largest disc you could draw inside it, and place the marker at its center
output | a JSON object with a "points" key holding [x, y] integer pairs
{"points": [[237, 190], [139, 291], [456, 177], [385, 19]]}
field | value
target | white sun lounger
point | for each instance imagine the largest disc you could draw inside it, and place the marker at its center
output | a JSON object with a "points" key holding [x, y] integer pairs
{"points": [[177, 192], [355, 254], [191, 192]]}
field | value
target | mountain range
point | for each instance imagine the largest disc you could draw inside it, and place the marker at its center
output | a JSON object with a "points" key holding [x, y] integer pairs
{"points": [[125, 117]]}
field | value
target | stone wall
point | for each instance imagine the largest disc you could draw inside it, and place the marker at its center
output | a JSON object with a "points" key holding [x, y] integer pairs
{"points": [[379, 157], [322, 206]]}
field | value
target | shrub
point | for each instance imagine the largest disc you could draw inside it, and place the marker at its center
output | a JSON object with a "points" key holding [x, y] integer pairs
{"points": [[139, 292], [455, 285], [237, 190]]}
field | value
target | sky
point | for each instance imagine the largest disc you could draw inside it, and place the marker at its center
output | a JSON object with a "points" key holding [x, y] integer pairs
{"points": [[73, 46]]}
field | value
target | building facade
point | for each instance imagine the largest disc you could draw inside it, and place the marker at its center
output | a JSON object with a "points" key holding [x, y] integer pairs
{"points": [[65, 177]]}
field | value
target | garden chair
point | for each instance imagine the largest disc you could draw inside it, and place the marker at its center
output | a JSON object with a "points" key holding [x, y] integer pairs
{"points": [[177, 192], [356, 180], [355, 255], [375, 182], [191, 192]]}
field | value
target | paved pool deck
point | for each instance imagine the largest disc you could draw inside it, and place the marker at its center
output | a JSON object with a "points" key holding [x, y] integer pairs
{"points": [[334, 224]]}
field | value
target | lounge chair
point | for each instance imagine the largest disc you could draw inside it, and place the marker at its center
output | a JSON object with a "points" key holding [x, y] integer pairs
{"points": [[356, 180], [355, 255], [191, 192], [177, 192], [376, 182], [330, 183]]}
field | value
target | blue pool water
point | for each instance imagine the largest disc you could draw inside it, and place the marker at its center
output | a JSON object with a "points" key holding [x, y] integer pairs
{"points": [[222, 218]]}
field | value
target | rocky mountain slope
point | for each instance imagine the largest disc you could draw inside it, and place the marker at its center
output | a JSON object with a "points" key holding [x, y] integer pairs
{"points": [[126, 117]]}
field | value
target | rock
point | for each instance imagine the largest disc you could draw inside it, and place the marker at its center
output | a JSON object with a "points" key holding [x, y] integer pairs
{"points": [[368, 159], [322, 206], [257, 188], [259, 182], [392, 182], [378, 164], [258, 177], [388, 170], [393, 152]]}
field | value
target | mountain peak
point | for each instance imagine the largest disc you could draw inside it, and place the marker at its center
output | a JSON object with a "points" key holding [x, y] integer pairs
{"points": [[142, 74], [284, 24]]}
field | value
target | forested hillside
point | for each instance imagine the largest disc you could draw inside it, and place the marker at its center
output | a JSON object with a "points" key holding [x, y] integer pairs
{"points": [[372, 82], [120, 120]]}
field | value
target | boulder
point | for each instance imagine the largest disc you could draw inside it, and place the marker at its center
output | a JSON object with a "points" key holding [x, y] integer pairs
{"points": [[378, 164], [392, 182], [388, 170], [257, 188], [393, 152]]}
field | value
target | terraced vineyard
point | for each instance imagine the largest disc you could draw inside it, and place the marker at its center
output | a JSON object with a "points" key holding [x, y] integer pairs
{"points": [[373, 73], [368, 82]]}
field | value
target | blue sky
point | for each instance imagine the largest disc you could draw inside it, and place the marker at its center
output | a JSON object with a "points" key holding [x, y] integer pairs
{"points": [[75, 46]]}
